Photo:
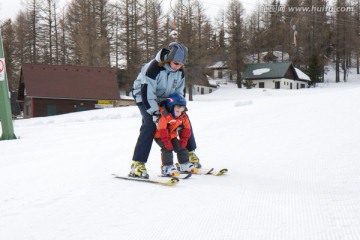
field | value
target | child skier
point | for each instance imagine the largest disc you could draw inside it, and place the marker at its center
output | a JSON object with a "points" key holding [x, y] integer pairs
{"points": [[174, 123]]}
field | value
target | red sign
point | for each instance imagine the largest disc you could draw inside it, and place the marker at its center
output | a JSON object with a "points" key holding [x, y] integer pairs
{"points": [[2, 69], [2, 65]]}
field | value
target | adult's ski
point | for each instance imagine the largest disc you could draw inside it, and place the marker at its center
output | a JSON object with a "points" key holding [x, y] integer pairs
{"points": [[169, 182]]}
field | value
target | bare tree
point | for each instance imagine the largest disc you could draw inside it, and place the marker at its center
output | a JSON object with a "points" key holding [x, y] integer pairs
{"points": [[154, 30], [49, 32], [87, 25], [218, 46], [256, 33], [235, 31], [342, 36], [195, 33], [131, 23], [356, 17], [33, 16], [9, 38], [64, 42]]}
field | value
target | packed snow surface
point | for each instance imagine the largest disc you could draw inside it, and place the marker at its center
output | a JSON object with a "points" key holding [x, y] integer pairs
{"points": [[293, 158]]}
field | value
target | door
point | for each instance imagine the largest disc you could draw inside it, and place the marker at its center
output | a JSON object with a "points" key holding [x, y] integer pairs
{"points": [[51, 110], [81, 108], [277, 85]]}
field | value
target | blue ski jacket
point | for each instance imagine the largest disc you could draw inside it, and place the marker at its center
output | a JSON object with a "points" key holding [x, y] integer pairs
{"points": [[154, 83]]}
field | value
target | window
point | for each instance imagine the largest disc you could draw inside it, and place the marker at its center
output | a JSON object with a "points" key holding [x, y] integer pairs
{"points": [[261, 85]]}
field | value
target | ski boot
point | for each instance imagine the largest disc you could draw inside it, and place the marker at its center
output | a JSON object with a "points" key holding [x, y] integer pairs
{"points": [[194, 159], [169, 170], [138, 169], [187, 167]]}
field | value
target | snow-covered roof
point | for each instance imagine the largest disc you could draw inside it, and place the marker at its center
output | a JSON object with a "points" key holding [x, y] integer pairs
{"points": [[302, 75], [213, 83], [219, 64], [261, 71]]}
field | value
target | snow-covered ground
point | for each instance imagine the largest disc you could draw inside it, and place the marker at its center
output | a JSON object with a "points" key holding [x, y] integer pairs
{"points": [[293, 158]]}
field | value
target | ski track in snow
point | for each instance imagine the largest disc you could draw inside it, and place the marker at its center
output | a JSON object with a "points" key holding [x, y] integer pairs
{"points": [[293, 160]]}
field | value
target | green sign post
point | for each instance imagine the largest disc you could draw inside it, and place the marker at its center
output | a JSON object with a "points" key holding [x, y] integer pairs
{"points": [[5, 107]]}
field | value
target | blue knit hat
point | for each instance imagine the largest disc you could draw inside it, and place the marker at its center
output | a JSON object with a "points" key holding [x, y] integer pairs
{"points": [[178, 52]]}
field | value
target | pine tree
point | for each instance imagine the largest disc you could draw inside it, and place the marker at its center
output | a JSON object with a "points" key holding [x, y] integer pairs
{"points": [[315, 68]]}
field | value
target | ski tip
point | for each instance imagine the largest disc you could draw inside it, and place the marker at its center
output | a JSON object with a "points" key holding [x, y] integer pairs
{"points": [[172, 181], [175, 179], [221, 172], [225, 170], [210, 170]]}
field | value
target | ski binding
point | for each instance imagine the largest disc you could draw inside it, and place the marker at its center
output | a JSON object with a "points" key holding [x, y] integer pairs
{"points": [[183, 175]]}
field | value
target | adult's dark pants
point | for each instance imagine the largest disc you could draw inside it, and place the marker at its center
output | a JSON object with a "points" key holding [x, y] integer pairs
{"points": [[146, 136]]}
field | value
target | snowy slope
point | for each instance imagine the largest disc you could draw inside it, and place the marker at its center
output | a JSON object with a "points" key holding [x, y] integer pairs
{"points": [[293, 160]]}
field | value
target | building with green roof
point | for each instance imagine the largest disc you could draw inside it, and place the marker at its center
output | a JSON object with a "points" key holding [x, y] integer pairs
{"points": [[276, 75]]}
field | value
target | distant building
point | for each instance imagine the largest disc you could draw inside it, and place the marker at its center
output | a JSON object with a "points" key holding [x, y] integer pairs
{"points": [[220, 69], [46, 90], [203, 85], [276, 75], [200, 89], [221, 73]]}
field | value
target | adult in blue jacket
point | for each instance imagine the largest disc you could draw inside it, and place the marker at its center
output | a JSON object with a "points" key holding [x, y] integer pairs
{"points": [[158, 79]]}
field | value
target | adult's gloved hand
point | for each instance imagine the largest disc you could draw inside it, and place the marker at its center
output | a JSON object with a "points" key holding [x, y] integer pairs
{"points": [[156, 117]]}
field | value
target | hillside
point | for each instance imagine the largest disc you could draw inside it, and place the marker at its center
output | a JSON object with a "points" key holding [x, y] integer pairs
{"points": [[293, 160]]}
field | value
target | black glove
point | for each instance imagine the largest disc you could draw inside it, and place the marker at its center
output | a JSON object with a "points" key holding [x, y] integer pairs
{"points": [[156, 117]]}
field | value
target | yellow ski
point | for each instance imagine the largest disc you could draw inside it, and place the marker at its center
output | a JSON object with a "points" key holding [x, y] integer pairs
{"points": [[170, 182]]}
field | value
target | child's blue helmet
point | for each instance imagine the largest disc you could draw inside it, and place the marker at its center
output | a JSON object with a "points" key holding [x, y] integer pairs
{"points": [[174, 99]]}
